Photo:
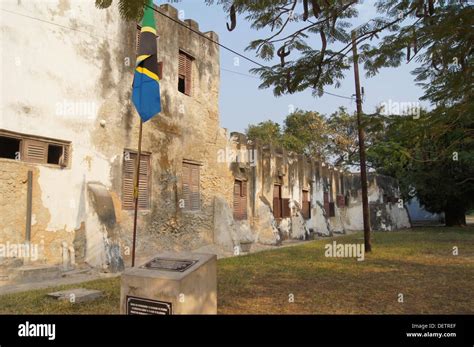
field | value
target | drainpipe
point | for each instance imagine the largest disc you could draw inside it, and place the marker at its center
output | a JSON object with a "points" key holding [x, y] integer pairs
{"points": [[29, 200]]}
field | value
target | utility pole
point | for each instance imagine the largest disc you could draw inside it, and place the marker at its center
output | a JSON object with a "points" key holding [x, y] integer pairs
{"points": [[363, 169]]}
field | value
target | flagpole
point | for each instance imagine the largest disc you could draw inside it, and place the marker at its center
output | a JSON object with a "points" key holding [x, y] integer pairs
{"points": [[135, 190]]}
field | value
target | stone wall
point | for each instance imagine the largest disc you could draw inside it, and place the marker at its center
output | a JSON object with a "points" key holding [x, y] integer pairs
{"points": [[295, 173], [89, 60]]}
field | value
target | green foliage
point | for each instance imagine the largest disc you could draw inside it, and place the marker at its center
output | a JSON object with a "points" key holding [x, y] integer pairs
{"points": [[314, 67], [306, 132], [333, 138], [442, 43], [432, 156], [130, 10], [438, 36], [267, 132]]}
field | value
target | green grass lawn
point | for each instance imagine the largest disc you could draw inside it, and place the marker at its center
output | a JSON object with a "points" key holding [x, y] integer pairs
{"points": [[418, 264]]}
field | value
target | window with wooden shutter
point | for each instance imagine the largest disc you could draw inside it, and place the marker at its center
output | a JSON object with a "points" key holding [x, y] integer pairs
{"points": [[240, 200], [285, 208], [237, 202], [332, 209], [244, 200], [191, 187], [185, 73], [277, 208], [160, 70], [326, 202], [128, 181], [137, 41], [305, 205], [34, 149]]}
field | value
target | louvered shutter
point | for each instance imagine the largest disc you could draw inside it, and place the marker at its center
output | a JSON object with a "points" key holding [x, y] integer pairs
{"points": [[188, 74], [276, 201], [186, 186], [286, 211], [143, 184], [306, 207], [237, 200], [35, 151], [185, 71], [138, 39], [128, 182], [243, 199], [66, 156], [160, 70], [326, 201], [182, 65], [191, 193], [195, 196]]}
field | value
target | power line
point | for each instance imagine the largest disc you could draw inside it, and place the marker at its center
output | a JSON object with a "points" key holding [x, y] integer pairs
{"points": [[231, 50], [339, 96], [251, 76], [239, 73], [174, 20]]}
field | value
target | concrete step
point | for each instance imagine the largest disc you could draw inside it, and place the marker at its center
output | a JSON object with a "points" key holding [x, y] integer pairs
{"points": [[75, 272], [4, 276], [34, 273], [9, 263]]}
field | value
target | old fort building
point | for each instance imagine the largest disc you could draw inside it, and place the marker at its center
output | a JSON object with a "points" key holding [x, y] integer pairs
{"points": [[69, 136]]}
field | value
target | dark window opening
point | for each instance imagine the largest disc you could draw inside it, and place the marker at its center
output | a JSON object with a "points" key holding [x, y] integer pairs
{"points": [[240, 200], [306, 205], [54, 154], [182, 84], [277, 210], [9, 147], [185, 66]]}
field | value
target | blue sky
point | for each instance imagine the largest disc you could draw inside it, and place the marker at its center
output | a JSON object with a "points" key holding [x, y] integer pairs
{"points": [[243, 103]]}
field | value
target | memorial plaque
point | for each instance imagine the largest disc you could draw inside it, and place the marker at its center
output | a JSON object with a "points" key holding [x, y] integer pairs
{"points": [[142, 306], [156, 286], [178, 265]]}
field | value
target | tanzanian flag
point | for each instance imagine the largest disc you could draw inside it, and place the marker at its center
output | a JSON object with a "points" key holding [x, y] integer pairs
{"points": [[146, 84]]}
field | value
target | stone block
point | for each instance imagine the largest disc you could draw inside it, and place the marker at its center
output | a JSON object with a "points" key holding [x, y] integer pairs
{"points": [[76, 295], [155, 288], [35, 273]]}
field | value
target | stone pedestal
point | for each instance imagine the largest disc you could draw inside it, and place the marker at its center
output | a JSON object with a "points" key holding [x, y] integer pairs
{"points": [[171, 283]]}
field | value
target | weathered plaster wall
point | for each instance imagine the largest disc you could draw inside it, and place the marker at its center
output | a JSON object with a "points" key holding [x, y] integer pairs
{"points": [[297, 173], [47, 68], [59, 83], [13, 200], [186, 129]]}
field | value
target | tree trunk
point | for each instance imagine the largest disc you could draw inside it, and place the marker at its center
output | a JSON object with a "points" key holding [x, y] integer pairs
{"points": [[455, 215]]}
